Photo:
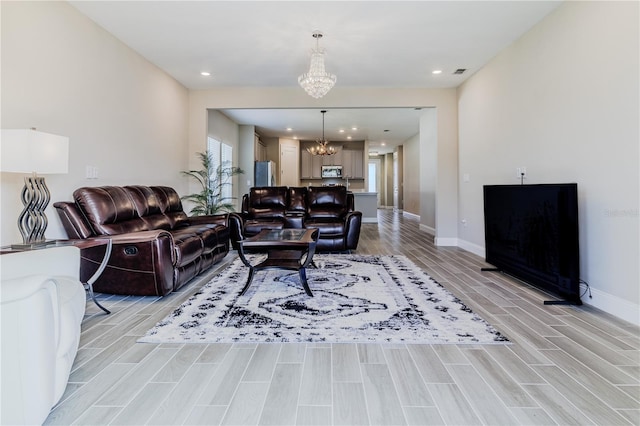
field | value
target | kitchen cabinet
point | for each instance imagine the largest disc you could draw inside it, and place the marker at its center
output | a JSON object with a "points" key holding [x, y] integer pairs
{"points": [[260, 153], [310, 165], [353, 163], [333, 160]]}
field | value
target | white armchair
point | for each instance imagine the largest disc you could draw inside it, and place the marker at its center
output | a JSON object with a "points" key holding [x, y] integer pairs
{"points": [[42, 303]]}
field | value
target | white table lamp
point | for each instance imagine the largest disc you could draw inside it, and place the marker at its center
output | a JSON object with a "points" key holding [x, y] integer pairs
{"points": [[33, 152]]}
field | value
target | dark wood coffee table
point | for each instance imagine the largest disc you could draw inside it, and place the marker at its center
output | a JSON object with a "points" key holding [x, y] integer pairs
{"points": [[286, 249]]}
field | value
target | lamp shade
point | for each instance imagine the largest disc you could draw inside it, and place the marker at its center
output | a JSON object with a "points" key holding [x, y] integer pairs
{"points": [[29, 151]]}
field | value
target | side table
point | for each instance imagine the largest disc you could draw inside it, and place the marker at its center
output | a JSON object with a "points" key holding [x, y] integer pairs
{"points": [[94, 242], [81, 244]]}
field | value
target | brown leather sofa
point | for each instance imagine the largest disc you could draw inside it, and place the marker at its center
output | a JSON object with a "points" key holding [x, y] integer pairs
{"points": [[328, 208], [157, 248]]}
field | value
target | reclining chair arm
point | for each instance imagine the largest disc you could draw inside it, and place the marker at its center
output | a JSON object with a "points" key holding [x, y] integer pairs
{"points": [[353, 222]]}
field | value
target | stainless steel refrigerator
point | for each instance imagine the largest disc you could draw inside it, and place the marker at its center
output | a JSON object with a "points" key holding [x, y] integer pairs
{"points": [[265, 173]]}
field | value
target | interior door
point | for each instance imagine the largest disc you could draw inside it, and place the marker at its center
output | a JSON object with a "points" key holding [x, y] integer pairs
{"points": [[289, 165]]}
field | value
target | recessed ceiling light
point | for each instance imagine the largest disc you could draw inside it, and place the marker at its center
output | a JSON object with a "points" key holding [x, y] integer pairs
{"points": [[205, 73], [341, 130], [436, 72], [348, 137], [383, 144], [354, 128], [289, 129]]}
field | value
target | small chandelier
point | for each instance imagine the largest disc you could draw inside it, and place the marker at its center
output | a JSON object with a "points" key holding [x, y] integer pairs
{"points": [[317, 82], [322, 148]]}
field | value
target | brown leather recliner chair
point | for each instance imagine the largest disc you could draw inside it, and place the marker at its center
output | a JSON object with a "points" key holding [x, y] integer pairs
{"points": [[330, 209], [157, 248]]}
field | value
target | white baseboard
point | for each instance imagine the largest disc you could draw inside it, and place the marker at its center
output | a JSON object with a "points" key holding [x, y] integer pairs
{"points": [[446, 242], [369, 220], [473, 248], [614, 305], [429, 230], [411, 215]]}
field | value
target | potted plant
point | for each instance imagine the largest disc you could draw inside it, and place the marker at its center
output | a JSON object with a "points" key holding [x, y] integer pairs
{"points": [[213, 181]]}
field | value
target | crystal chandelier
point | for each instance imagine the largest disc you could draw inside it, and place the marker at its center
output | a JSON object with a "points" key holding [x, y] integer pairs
{"points": [[317, 82], [323, 147]]}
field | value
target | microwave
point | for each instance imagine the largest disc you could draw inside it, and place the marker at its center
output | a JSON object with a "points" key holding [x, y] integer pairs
{"points": [[331, 172]]}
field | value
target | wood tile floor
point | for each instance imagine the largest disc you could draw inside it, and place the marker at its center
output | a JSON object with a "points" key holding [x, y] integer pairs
{"points": [[567, 365]]}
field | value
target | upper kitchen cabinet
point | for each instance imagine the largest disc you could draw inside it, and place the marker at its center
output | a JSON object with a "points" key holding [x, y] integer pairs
{"points": [[353, 162], [310, 165]]}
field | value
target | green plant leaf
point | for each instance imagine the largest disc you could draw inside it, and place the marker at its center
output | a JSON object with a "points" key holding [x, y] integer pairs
{"points": [[212, 183]]}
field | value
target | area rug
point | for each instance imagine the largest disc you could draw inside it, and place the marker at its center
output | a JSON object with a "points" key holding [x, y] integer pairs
{"points": [[357, 298]]}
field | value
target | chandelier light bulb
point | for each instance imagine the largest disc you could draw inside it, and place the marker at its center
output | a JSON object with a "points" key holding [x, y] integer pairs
{"points": [[317, 82]]}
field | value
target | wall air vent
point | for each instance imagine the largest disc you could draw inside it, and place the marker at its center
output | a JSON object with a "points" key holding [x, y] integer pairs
{"points": [[460, 71]]}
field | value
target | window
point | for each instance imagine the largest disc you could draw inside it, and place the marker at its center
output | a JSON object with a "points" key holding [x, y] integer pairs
{"points": [[221, 156], [373, 176]]}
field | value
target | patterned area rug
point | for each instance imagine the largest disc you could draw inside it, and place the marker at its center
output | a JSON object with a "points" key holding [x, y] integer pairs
{"points": [[357, 298]]}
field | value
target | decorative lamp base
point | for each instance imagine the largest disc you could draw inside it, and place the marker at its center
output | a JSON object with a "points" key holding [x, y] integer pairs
{"points": [[32, 221]]}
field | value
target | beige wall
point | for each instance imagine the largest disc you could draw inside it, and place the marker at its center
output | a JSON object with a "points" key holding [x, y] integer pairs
{"points": [[442, 116], [563, 102], [246, 161], [63, 74]]}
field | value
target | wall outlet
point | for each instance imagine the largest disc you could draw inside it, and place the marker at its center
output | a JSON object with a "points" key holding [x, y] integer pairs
{"points": [[521, 172]]}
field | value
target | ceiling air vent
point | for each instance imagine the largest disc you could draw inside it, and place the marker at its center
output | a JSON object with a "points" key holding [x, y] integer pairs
{"points": [[460, 71]]}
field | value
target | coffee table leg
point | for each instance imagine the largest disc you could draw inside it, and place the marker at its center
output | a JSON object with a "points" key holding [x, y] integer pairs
{"points": [[249, 279], [303, 278]]}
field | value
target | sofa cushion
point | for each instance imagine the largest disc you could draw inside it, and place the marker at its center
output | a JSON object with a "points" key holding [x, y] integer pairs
{"points": [[148, 207], [327, 202], [171, 206], [109, 209], [267, 202], [207, 233], [188, 246], [327, 227]]}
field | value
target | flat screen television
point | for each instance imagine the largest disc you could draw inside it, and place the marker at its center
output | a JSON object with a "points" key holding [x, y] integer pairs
{"points": [[531, 233], [331, 171]]}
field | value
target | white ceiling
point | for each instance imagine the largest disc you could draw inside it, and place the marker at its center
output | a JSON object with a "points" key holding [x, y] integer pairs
{"points": [[368, 44]]}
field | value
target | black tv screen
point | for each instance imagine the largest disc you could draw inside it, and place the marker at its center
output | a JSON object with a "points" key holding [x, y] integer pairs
{"points": [[531, 233]]}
